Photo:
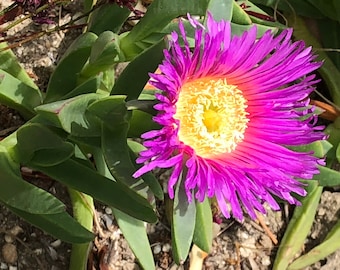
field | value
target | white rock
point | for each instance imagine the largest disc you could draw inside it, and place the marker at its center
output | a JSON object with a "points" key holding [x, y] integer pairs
{"points": [[166, 247], [56, 243], [3, 265], [265, 260], [108, 210], [157, 249]]}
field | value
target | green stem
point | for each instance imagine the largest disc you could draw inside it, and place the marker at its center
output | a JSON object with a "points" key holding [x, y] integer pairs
{"points": [[83, 213]]}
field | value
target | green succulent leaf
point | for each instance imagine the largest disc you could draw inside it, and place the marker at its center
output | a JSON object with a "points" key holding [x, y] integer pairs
{"points": [[298, 227], [140, 245], [76, 175], [183, 223], [328, 246], [18, 95], [61, 225], [10, 64], [204, 226], [72, 115], [328, 177], [134, 77], [21, 195], [36, 142], [221, 9], [108, 17], [65, 77]]}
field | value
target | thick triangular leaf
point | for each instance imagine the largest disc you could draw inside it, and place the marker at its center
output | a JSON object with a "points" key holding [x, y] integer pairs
{"points": [[183, 223], [65, 77], [140, 245], [298, 227], [80, 177], [19, 194], [61, 225], [18, 95], [36, 142]]}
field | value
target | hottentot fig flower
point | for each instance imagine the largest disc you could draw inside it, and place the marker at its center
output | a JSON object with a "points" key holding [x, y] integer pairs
{"points": [[230, 108]]}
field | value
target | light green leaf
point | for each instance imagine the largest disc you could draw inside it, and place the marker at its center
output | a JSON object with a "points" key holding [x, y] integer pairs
{"points": [[328, 246], [298, 227], [204, 226], [10, 64], [72, 115], [183, 223], [327, 177], [140, 245], [221, 9], [18, 95]]}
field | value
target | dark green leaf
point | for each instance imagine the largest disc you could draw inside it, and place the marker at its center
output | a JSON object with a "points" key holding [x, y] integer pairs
{"points": [[134, 77], [19, 194], [84, 179], [108, 17], [65, 78], [148, 178], [35, 143], [60, 225]]}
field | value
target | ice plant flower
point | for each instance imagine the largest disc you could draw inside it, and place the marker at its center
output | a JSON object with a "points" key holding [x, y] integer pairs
{"points": [[229, 108]]}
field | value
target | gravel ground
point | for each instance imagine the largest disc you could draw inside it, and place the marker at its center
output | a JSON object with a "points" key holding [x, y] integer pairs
{"points": [[236, 246]]}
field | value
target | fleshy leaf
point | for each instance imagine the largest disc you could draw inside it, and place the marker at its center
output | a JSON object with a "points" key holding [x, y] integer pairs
{"points": [[19, 194], [298, 227], [328, 177], [18, 95], [88, 181], [140, 245], [35, 143], [203, 226], [328, 246], [134, 77], [183, 223], [65, 77], [61, 225], [72, 115], [221, 9]]}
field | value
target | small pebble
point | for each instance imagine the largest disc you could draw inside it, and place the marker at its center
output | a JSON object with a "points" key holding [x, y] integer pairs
{"points": [[166, 247], [9, 238], [13, 267], [3, 265], [16, 230], [53, 253], [108, 210], [38, 251], [157, 249], [56, 243], [108, 220], [265, 260], [9, 253]]}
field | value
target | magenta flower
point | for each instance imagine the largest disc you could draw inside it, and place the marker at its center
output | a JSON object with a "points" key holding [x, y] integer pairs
{"points": [[228, 110]]}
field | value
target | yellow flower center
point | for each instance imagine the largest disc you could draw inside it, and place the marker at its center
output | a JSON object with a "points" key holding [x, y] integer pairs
{"points": [[212, 116]]}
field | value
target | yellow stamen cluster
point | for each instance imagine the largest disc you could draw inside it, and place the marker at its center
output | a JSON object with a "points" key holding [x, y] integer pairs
{"points": [[212, 116]]}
